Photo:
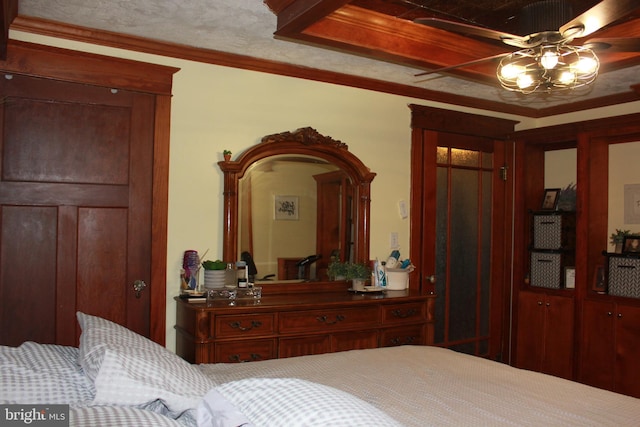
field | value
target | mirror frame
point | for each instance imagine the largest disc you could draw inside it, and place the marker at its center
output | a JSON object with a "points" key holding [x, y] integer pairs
{"points": [[303, 141]]}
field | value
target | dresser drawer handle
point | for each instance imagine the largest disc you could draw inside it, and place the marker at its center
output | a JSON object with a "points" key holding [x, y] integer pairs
{"points": [[399, 341], [238, 325], [252, 358], [404, 314], [626, 266], [324, 319]]}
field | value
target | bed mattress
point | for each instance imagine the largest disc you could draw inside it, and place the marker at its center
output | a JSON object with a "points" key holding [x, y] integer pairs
{"points": [[422, 386]]}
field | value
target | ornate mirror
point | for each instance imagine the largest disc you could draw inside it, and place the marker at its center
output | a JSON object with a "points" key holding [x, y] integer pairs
{"points": [[294, 202]]}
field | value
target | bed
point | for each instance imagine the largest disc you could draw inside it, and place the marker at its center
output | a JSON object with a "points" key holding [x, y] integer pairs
{"points": [[118, 378]]}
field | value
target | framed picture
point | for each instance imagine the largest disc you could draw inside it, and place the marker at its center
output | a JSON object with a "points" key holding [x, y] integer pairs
{"points": [[599, 280], [569, 277], [550, 199], [631, 245], [286, 208]]}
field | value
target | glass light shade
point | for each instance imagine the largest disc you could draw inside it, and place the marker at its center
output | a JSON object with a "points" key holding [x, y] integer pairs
{"points": [[549, 60], [548, 68]]}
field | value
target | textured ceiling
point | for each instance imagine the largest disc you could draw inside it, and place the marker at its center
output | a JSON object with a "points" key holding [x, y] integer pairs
{"points": [[246, 27]]}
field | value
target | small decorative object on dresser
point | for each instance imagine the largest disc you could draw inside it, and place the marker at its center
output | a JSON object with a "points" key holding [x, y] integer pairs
{"points": [[227, 155]]}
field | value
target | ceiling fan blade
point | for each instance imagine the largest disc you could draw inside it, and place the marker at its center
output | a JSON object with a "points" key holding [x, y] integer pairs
{"points": [[472, 30], [464, 64], [600, 15], [614, 44]]}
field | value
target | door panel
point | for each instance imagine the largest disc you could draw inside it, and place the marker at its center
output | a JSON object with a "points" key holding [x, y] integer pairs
{"points": [[459, 184], [76, 199]]}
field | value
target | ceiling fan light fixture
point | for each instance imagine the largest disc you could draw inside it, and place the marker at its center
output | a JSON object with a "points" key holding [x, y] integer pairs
{"points": [[549, 59], [548, 68], [524, 81]]}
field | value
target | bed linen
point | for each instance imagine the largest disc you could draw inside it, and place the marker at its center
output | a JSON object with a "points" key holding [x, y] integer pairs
{"points": [[431, 386], [119, 378]]}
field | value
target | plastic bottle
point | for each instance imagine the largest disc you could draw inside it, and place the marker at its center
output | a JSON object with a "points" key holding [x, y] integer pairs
{"points": [[242, 274]]}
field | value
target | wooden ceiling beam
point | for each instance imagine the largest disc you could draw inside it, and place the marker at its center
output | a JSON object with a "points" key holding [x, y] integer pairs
{"points": [[300, 14]]}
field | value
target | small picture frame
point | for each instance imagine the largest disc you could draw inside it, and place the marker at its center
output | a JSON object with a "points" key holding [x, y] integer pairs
{"points": [[599, 280], [631, 245], [569, 277], [286, 208], [550, 199]]}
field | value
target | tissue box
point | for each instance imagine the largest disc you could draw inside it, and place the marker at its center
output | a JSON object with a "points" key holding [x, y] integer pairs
{"points": [[397, 279]]}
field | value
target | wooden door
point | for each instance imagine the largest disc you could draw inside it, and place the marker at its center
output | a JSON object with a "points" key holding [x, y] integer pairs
{"points": [[459, 237], [75, 206], [334, 219]]}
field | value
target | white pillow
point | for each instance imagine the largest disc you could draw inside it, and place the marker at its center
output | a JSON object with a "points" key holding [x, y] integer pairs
{"points": [[42, 374], [129, 369], [285, 402]]}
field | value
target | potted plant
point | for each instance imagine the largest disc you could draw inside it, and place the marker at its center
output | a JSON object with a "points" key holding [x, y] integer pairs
{"points": [[617, 239], [358, 273], [214, 274], [227, 155]]}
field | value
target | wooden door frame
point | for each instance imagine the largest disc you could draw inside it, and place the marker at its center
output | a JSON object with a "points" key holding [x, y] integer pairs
{"points": [[429, 122], [78, 67]]}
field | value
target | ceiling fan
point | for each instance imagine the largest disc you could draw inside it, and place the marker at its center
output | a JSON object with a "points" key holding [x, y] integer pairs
{"points": [[547, 60]]}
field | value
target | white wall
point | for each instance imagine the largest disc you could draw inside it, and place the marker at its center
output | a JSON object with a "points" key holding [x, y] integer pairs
{"points": [[216, 108]]}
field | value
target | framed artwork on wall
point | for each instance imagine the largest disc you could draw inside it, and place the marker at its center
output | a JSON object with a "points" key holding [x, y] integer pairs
{"points": [[631, 245], [550, 199], [286, 208]]}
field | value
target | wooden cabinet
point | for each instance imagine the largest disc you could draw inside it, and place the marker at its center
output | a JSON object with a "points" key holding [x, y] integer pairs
{"points": [[611, 346], [545, 333], [294, 325]]}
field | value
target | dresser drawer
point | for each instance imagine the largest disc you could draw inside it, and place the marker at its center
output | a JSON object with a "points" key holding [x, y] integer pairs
{"points": [[328, 320], [244, 351], [400, 313], [407, 335], [247, 325]]}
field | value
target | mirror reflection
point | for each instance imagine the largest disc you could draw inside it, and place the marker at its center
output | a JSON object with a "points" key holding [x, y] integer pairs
{"points": [[295, 214], [292, 204]]}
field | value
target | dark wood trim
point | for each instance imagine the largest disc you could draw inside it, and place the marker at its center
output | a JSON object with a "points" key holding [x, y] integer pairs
{"points": [[208, 56], [9, 11], [460, 123], [159, 218], [55, 63]]}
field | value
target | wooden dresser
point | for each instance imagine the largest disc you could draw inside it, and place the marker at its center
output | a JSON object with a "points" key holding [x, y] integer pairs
{"points": [[299, 324]]}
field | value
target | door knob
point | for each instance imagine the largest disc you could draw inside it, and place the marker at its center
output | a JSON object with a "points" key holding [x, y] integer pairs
{"points": [[431, 278], [139, 286]]}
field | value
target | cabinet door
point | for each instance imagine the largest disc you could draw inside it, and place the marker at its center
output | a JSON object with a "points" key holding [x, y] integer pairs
{"points": [[627, 348], [530, 332], [558, 343], [545, 334], [597, 344]]}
